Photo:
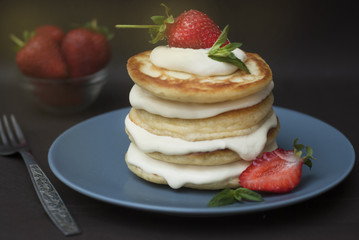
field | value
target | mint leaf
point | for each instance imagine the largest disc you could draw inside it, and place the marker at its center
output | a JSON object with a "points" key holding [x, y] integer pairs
{"points": [[228, 48], [248, 194], [225, 197], [238, 197], [233, 60], [229, 196], [220, 41], [224, 54]]}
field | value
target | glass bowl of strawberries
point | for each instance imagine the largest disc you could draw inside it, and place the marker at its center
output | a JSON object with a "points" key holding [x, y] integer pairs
{"points": [[64, 96], [63, 73]]}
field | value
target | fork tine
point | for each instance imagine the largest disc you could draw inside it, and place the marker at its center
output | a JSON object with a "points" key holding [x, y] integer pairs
{"points": [[2, 134], [20, 136], [9, 131]]}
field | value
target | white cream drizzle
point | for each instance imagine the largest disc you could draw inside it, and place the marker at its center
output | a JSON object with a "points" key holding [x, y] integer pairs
{"points": [[142, 99], [178, 175], [195, 61], [247, 147]]}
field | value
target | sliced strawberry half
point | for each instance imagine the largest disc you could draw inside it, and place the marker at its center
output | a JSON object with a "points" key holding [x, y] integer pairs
{"points": [[278, 171]]}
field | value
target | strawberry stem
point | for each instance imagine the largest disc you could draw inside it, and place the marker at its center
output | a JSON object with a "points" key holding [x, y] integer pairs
{"points": [[137, 26], [157, 30], [17, 40], [27, 35]]}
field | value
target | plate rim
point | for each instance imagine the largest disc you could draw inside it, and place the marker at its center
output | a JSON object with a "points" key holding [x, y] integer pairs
{"points": [[185, 211]]}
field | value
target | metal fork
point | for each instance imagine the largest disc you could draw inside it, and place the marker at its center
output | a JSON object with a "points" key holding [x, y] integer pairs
{"points": [[13, 141]]}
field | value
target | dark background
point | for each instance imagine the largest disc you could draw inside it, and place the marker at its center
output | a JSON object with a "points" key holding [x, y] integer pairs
{"points": [[303, 41], [293, 36], [312, 48]]}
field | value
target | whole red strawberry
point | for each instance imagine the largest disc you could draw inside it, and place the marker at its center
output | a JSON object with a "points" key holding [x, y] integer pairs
{"points": [[277, 171], [86, 51], [40, 57], [51, 31], [194, 29], [191, 29]]}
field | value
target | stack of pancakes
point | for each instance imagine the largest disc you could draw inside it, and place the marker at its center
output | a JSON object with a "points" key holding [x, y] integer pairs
{"points": [[198, 131]]}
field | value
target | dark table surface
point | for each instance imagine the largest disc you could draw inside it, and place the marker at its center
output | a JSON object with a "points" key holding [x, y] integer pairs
{"points": [[317, 75]]}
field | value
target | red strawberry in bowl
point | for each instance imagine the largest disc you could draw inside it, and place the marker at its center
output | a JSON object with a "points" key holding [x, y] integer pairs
{"points": [[86, 50], [63, 73], [51, 31], [40, 57], [278, 171]]}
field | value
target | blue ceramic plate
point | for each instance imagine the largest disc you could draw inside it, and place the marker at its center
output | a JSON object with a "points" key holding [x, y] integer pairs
{"points": [[89, 158]]}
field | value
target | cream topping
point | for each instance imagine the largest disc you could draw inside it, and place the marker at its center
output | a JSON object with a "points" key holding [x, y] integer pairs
{"points": [[247, 147], [142, 99], [178, 175], [195, 61]]}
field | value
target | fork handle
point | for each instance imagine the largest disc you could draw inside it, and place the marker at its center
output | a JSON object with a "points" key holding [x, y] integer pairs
{"points": [[49, 197]]}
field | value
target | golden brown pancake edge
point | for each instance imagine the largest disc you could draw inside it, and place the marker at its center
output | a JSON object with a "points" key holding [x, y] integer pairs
{"points": [[200, 89]]}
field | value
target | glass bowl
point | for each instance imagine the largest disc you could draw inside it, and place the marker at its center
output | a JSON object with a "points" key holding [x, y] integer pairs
{"points": [[64, 96]]}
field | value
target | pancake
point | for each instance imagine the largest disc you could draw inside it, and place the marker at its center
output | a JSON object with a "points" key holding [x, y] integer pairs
{"points": [[142, 99], [176, 176], [218, 157], [205, 152], [232, 182], [229, 124], [185, 87], [201, 151]]}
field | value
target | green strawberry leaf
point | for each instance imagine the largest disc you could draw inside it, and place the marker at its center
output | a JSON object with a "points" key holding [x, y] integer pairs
{"points": [[297, 146], [93, 26], [224, 54], [308, 162], [229, 196], [307, 159], [158, 19]]}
